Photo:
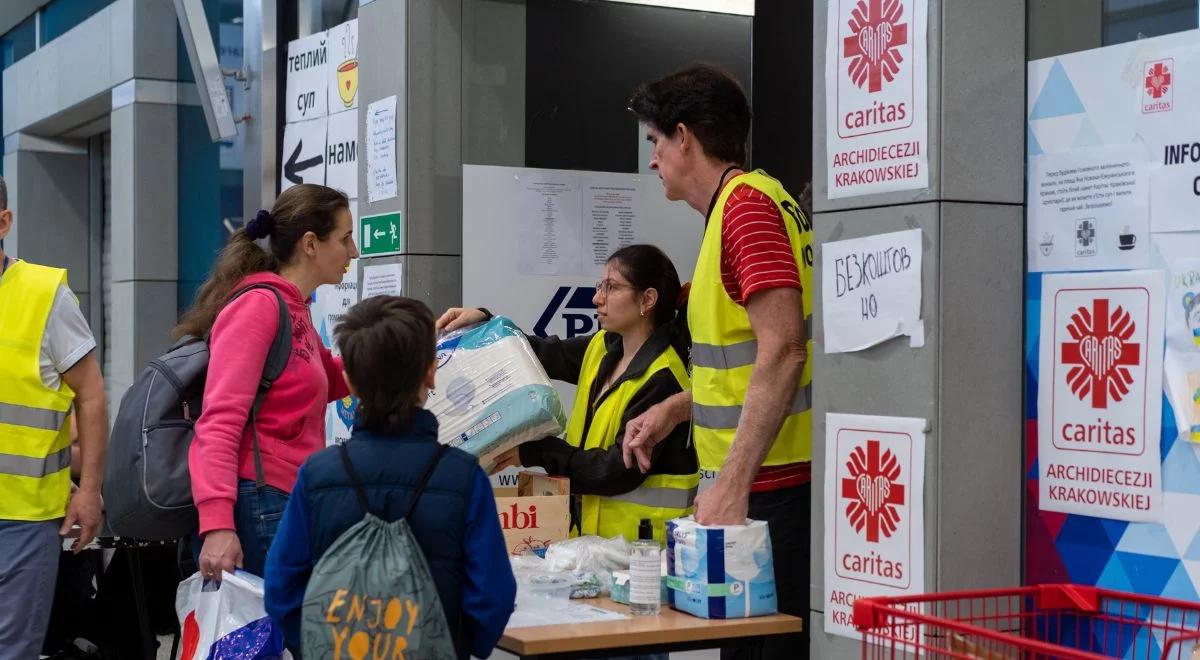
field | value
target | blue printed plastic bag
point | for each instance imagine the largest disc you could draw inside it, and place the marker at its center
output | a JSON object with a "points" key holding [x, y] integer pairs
{"points": [[720, 572]]}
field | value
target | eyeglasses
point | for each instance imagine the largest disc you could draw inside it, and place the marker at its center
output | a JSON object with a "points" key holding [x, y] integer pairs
{"points": [[605, 287]]}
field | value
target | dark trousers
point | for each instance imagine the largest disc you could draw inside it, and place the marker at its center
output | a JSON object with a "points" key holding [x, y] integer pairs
{"points": [[788, 515]]}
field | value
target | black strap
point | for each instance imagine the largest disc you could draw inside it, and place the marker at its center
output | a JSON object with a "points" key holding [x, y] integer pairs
{"points": [[416, 496], [355, 480], [717, 193], [5, 268], [277, 359], [361, 491]]}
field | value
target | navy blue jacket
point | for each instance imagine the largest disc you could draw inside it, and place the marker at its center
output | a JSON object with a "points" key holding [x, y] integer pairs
{"points": [[455, 524]]}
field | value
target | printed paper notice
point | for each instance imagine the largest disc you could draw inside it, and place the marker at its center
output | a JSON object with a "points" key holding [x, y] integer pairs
{"points": [[1089, 210], [550, 230], [876, 90], [1181, 364], [382, 280], [871, 291], [381, 149], [1100, 394], [874, 515], [611, 213]]}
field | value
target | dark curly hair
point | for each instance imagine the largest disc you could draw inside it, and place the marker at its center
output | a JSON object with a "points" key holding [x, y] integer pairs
{"points": [[705, 98]]}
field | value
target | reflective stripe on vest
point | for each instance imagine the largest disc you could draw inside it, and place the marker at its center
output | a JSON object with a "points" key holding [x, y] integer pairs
{"points": [[35, 438], [724, 346], [661, 497]]}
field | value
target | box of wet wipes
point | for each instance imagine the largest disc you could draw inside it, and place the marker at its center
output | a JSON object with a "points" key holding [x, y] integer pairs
{"points": [[720, 572]]}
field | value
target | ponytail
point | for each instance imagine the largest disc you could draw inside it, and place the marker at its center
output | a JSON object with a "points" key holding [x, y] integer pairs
{"points": [[239, 259], [297, 211]]}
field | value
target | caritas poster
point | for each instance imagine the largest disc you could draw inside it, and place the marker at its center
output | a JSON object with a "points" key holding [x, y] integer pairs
{"points": [[876, 113], [874, 514], [1100, 394]]}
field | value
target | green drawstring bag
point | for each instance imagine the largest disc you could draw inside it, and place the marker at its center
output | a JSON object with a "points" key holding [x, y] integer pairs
{"points": [[371, 595]]}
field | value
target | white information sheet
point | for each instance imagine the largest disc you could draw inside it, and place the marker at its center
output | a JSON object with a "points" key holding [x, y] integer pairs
{"points": [[343, 67], [383, 280], [874, 514], [876, 89], [1181, 362], [1100, 394], [549, 223], [303, 153], [611, 215], [1089, 210], [307, 79], [871, 291], [381, 149]]}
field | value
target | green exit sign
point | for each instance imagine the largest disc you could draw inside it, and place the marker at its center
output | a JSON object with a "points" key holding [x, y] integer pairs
{"points": [[380, 234]]}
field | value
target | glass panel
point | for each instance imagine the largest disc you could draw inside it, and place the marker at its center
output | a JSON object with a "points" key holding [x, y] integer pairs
{"points": [[545, 82], [19, 41], [60, 16], [1057, 27]]}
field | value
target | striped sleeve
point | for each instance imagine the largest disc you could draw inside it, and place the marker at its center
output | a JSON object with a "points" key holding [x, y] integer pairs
{"points": [[755, 252]]}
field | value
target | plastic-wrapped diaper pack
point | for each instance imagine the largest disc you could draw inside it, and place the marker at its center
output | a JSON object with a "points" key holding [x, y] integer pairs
{"points": [[491, 392], [720, 572]]}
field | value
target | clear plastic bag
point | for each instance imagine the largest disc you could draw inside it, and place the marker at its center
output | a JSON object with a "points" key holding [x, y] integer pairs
{"points": [[226, 619], [584, 564]]}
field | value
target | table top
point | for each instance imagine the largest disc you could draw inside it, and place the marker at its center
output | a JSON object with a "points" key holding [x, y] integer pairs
{"points": [[669, 627]]}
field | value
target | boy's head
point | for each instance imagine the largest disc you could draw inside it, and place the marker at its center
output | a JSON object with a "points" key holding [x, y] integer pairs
{"points": [[388, 347]]}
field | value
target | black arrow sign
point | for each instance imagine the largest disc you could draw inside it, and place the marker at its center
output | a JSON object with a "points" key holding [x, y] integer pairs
{"points": [[292, 168]]}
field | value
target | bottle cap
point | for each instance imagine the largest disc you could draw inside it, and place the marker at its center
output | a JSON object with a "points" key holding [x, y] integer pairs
{"points": [[645, 530]]}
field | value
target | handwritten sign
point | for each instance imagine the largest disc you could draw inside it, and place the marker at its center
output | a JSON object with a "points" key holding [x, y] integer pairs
{"points": [[871, 291]]}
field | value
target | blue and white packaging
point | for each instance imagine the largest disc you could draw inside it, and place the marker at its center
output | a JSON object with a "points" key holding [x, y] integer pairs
{"points": [[720, 572], [491, 392]]}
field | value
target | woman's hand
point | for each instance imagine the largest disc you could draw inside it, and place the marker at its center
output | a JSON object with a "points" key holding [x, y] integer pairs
{"points": [[222, 551], [458, 317]]}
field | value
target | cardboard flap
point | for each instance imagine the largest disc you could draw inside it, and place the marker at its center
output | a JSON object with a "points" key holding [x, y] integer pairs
{"points": [[532, 484]]}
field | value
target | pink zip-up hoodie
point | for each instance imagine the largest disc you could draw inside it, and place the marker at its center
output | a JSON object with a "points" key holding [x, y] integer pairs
{"points": [[291, 423]]}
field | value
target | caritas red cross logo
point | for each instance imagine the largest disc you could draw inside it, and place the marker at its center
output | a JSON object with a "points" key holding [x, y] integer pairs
{"points": [[1101, 353], [874, 491], [1158, 80], [873, 48]]}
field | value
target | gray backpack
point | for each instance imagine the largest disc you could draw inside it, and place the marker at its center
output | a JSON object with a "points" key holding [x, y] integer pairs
{"points": [[147, 489], [376, 578]]}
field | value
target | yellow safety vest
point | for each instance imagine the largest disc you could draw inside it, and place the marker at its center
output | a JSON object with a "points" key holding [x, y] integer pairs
{"points": [[724, 345], [35, 438], [661, 497]]}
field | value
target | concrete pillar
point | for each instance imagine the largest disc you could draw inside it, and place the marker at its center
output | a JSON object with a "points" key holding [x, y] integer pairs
{"points": [[48, 194], [144, 236], [415, 51], [967, 379]]}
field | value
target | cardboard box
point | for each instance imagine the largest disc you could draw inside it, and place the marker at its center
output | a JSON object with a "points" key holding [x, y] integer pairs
{"points": [[538, 514]]}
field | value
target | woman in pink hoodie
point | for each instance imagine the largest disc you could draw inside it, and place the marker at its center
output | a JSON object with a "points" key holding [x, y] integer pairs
{"points": [[311, 238]]}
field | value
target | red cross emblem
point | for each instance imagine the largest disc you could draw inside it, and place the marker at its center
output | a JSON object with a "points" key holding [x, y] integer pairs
{"points": [[1101, 353], [1158, 80], [873, 46], [873, 491]]}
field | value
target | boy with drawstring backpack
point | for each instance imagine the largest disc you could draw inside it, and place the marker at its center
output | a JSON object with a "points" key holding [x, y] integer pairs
{"points": [[390, 543]]}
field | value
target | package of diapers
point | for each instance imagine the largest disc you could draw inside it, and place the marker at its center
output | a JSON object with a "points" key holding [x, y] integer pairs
{"points": [[491, 392], [720, 572]]}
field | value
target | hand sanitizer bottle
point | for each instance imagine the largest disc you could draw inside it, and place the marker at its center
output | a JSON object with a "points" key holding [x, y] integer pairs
{"points": [[645, 572]]}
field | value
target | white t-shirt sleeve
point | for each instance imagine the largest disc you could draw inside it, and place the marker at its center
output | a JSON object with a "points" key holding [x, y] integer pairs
{"points": [[67, 340]]}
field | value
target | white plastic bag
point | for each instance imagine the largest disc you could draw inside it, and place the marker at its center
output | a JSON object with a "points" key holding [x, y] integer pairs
{"points": [[226, 620]]}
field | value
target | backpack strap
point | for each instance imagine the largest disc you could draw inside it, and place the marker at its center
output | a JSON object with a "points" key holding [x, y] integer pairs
{"points": [[355, 480], [277, 359], [416, 496]]}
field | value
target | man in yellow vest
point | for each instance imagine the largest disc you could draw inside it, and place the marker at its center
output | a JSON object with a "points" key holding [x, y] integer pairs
{"points": [[751, 300], [47, 364]]}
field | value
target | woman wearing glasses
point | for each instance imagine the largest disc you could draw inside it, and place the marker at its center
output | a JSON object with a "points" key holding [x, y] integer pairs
{"points": [[634, 362]]}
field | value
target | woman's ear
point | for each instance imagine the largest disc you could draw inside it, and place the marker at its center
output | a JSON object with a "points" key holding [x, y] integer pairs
{"points": [[309, 243], [430, 376], [649, 301]]}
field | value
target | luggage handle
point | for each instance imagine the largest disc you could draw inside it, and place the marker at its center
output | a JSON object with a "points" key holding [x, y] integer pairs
{"points": [[361, 492]]}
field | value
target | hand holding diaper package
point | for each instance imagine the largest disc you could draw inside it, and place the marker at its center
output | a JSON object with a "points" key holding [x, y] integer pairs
{"points": [[720, 572], [491, 392]]}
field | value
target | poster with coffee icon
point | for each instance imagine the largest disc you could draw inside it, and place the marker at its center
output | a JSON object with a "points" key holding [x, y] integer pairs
{"points": [[1089, 209], [343, 67]]}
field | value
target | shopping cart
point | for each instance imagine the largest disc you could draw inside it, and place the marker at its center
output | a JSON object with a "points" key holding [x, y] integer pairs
{"points": [[1047, 621]]}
